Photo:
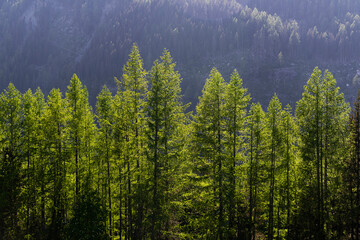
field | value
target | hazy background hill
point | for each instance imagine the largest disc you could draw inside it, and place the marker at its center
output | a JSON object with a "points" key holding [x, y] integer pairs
{"points": [[273, 44]]}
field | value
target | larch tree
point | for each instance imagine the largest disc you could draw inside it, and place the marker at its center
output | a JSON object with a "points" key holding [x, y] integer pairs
{"points": [[104, 113], [88, 141], [56, 132], [119, 140], [11, 162], [77, 98], [336, 119], [40, 164], [236, 102], [134, 86], [351, 173], [310, 113], [155, 138], [165, 117], [322, 117], [288, 170], [274, 155], [209, 134], [30, 127], [257, 135]]}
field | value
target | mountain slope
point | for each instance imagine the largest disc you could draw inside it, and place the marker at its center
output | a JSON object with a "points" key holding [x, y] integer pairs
{"points": [[274, 46]]}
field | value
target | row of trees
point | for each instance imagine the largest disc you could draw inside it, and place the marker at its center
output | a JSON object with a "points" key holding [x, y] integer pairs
{"points": [[140, 167]]}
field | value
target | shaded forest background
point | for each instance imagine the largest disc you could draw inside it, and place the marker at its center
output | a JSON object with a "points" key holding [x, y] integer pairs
{"points": [[274, 45]]}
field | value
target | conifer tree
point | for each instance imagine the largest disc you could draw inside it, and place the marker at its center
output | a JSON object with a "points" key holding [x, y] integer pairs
{"points": [[236, 101], [165, 118], [10, 164], [309, 114], [256, 156], [105, 118], [322, 116], [78, 103], [134, 85], [56, 139], [40, 164], [351, 173], [88, 221], [88, 142], [209, 134], [288, 169], [275, 142], [336, 117], [119, 140], [30, 127], [155, 135]]}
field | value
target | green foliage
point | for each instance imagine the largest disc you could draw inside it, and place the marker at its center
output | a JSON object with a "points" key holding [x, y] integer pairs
{"points": [[209, 133], [11, 162], [323, 116], [57, 161], [89, 219], [165, 121], [236, 102], [80, 125], [147, 170], [255, 169], [104, 144]]}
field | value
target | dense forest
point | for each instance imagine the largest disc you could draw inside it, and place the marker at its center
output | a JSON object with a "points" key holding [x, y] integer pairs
{"points": [[274, 44], [140, 166]]}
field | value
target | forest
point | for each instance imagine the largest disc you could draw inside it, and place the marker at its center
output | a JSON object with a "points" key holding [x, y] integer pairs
{"points": [[139, 165], [272, 43]]}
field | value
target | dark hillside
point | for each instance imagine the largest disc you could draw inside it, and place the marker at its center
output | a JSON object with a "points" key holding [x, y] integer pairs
{"points": [[44, 42]]}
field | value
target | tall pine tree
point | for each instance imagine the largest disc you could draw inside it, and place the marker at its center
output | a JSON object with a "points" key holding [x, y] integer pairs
{"points": [[236, 101], [11, 162], [134, 86], [209, 136], [105, 118], [322, 116], [56, 139]]}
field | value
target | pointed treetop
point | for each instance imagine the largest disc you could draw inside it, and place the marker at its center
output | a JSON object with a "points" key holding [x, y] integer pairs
{"points": [[167, 60], [134, 73], [75, 86], [235, 75], [103, 105], [274, 101]]}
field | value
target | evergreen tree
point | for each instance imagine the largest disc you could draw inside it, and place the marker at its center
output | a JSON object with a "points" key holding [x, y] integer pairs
{"points": [[88, 141], [10, 164], [40, 165], [155, 136], [56, 139], [336, 119], [275, 142], [351, 173], [78, 104], [236, 101], [119, 140], [134, 86], [209, 135], [88, 222], [30, 126], [255, 167], [165, 118], [105, 117], [322, 117], [288, 171], [309, 114]]}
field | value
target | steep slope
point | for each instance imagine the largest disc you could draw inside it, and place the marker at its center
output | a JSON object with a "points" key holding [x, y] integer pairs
{"points": [[44, 42]]}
